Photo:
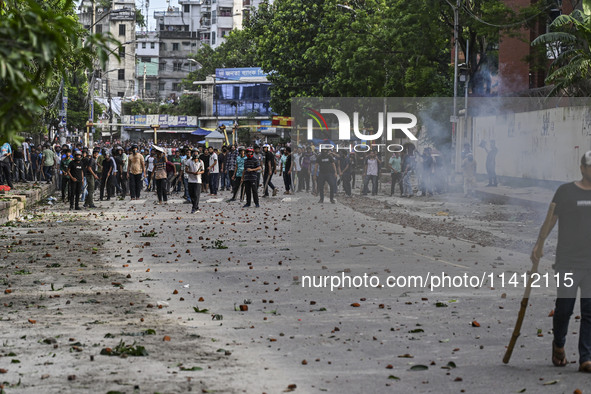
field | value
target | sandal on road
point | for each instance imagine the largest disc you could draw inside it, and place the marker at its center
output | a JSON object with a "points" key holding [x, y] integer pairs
{"points": [[585, 367], [559, 357]]}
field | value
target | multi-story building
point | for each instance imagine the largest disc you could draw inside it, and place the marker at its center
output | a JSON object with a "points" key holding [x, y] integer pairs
{"points": [[177, 32], [147, 50], [118, 76], [182, 30]]}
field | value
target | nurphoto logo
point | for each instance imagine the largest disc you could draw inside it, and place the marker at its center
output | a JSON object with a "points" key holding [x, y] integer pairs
{"points": [[402, 121]]}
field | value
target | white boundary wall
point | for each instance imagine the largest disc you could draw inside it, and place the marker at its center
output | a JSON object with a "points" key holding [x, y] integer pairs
{"points": [[541, 145]]}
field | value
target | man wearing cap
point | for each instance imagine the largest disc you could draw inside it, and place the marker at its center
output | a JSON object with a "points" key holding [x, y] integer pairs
{"points": [[194, 168], [249, 177], [136, 171], [327, 172], [572, 265], [75, 176], [64, 163]]}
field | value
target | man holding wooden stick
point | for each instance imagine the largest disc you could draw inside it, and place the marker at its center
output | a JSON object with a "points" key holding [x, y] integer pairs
{"points": [[573, 260]]}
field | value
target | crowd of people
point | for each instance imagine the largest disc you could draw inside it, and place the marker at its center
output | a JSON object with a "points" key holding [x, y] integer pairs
{"points": [[127, 169]]}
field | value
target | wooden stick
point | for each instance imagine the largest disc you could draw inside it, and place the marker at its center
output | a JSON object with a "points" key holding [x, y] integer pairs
{"points": [[545, 230]]}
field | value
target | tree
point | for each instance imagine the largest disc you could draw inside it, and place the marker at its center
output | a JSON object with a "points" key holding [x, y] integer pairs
{"points": [[568, 41], [237, 51], [140, 21], [41, 43]]}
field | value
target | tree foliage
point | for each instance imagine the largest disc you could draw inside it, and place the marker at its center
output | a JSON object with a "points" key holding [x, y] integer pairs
{"points": [[568, 41], [41, 43], [367, 48], [189, 105]]}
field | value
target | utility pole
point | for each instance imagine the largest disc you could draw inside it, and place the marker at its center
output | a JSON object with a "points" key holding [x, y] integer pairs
{"points": [[110, 111], [91, 104]]}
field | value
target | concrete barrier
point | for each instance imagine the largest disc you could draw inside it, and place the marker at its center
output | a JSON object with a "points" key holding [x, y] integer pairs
{"points": [[13, 203]]}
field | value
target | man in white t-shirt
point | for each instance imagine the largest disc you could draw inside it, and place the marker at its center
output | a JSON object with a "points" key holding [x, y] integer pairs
{"points": [[194, 168], [372, 167], [150, 168], [27, 154], [214, 172]]}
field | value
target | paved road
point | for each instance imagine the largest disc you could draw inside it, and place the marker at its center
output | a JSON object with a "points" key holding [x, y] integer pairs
{"points": [[351, 339]]}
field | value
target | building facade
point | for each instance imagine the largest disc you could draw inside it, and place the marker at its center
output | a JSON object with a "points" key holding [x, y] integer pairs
{"points": [[117, 79], [147, 50]]}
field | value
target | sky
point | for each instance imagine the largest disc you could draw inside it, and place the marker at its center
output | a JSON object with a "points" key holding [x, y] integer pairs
{"points": [[155, 5]]}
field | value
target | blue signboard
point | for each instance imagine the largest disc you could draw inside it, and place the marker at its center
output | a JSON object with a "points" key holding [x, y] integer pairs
{"points": [[236, 74], [266, 124]]}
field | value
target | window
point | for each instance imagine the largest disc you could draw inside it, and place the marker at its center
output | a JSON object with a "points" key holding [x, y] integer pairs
{"points": [[177, 67], [148, 86], [225, 11], [194, 44], [176, 87], [213, 17], [175, 46], [98, 28], [122, 94], [121, 74], [146, 60], [213, 38], [121, 29], [225, 33], [162, 66], [143, 45], [122, 52], [186, 43], [162, 86], [152, 45], [187, 8]]}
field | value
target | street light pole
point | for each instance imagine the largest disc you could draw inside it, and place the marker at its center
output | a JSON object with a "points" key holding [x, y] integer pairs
{"points": [[456, 50], [89, 124]]}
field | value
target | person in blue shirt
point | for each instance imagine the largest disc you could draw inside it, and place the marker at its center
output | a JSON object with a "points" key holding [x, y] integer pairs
{"points": [[5, 164], [237, 176]]}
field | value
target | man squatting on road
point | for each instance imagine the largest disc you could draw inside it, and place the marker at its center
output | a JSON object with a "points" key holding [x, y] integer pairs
{"points": [[573, 255]]}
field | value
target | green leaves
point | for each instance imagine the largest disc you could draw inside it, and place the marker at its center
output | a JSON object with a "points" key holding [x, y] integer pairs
{"points": [[568, 41], [40, 43]]}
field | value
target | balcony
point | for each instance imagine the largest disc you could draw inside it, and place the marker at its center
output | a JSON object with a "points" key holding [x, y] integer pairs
{"points": [[176, 34], [161, 14]]}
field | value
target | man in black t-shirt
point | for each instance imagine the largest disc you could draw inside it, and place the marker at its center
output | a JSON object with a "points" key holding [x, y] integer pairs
{"points": [[327, 172], [573, 263], [75, 174], [204, 157], [249, 178], [270, 167]]}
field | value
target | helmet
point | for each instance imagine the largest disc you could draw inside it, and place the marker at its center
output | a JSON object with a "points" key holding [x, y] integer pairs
{"points": [[77, 153], [266, 146], [249, 149], [241, 148], [134, 146], [195, 150]]}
